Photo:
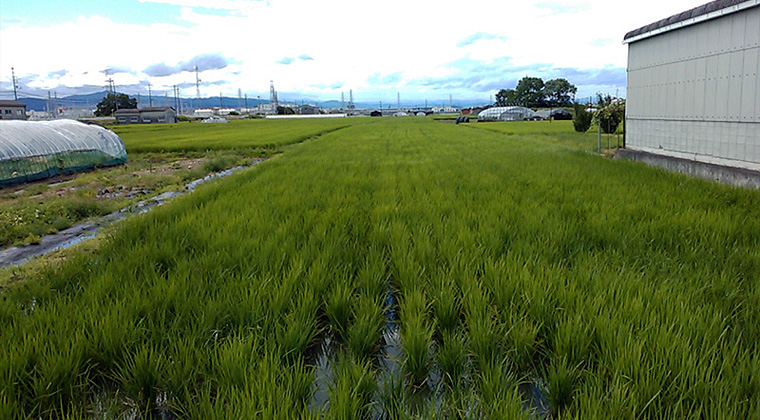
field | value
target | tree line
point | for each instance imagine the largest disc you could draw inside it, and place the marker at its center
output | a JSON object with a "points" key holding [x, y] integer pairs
{"points": [[533, 92]]}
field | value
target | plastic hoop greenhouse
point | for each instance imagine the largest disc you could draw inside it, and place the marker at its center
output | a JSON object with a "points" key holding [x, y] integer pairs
{"points": [[506, 113], [33, 150]]}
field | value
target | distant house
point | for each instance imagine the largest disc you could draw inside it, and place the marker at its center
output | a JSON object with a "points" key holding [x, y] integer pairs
{"points": [[555, 114], [475, 110], [308, 110], [12, 110], [151, 115], [445, 110]]}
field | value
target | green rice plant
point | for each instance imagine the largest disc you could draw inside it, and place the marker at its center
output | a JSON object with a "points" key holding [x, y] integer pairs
{"points": [[185, 369], [59, 377], [416, 337], [338, 308], [269, 390], [446, 308], [452, 359], [350, 396], [9, 407], [236, 134], [141, 376], [521, 343], [498, 393], [484, 330], [392, 397], [364, 334], [299, 328], [372, 279], [562, 379], [574, 340], [231, 362], [630, 292]]}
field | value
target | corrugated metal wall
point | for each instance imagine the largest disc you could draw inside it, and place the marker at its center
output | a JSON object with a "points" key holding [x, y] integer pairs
{"points": [[694, 92]]}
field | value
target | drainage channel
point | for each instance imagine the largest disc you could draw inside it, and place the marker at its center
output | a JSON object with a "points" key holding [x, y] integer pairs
{"points": [[18, 255]]}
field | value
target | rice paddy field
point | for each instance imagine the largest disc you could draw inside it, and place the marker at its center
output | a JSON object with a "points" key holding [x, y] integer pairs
{"points": [[404, 268], [237, 134]]}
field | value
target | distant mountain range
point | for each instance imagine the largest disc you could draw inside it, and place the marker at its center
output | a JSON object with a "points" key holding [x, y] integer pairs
{"points": [[90, 101]]}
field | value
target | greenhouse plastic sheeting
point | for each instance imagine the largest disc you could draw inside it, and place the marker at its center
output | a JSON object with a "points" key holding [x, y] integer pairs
{"points": [[506, 113], [31, 150]]}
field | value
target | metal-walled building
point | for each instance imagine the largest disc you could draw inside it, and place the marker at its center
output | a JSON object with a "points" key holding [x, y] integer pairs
{"points": [[694, 88]]}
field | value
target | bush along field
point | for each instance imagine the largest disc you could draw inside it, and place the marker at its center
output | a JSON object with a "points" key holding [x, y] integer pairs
{"points": [[405, 269]]}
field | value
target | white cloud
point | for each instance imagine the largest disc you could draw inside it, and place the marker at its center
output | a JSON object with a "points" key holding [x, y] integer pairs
{"points": [[235, 5], [349, 42]]}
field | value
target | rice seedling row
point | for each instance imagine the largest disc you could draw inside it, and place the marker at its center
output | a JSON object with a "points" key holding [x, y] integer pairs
{"points": [[406, 269]]}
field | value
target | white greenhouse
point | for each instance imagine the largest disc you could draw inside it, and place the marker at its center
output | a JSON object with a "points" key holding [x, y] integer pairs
{"points": [[506, 113], [32, 150]]}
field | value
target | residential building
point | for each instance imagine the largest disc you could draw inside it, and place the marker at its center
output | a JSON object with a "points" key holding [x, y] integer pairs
{"points": [[149, 115], [12, 110]]}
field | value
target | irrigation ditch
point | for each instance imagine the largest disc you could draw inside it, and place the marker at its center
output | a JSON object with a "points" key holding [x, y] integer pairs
{"points": [[18, 255]]}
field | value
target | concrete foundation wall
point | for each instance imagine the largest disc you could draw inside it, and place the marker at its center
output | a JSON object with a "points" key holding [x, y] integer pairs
{"points": [[718, 173]]}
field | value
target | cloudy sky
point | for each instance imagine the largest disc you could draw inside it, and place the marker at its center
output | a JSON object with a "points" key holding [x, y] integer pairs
{"points": [[316, 49]]}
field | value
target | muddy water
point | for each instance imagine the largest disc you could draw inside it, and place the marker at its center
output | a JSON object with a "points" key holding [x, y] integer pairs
{"points": [[66, 238]]}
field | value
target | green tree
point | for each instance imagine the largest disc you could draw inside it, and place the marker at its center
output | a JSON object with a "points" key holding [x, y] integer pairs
{"points": [[559, 92], [109, 104], [506, 97], [283, 110], [530, 92]]}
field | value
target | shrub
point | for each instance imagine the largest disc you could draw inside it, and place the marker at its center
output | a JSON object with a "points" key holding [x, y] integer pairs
{"points": [[582, 118], [611, 115]]}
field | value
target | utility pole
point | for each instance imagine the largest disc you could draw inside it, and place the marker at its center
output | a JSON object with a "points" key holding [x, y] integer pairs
{"points": [[240, 99], [176, 101], [15, 86], [197, 87], [150, 96], [220, 102], [111, 87], [247, 111], [258, 104]]}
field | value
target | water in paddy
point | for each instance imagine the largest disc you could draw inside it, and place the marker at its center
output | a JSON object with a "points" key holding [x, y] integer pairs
{"points": [[433, 395]]}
